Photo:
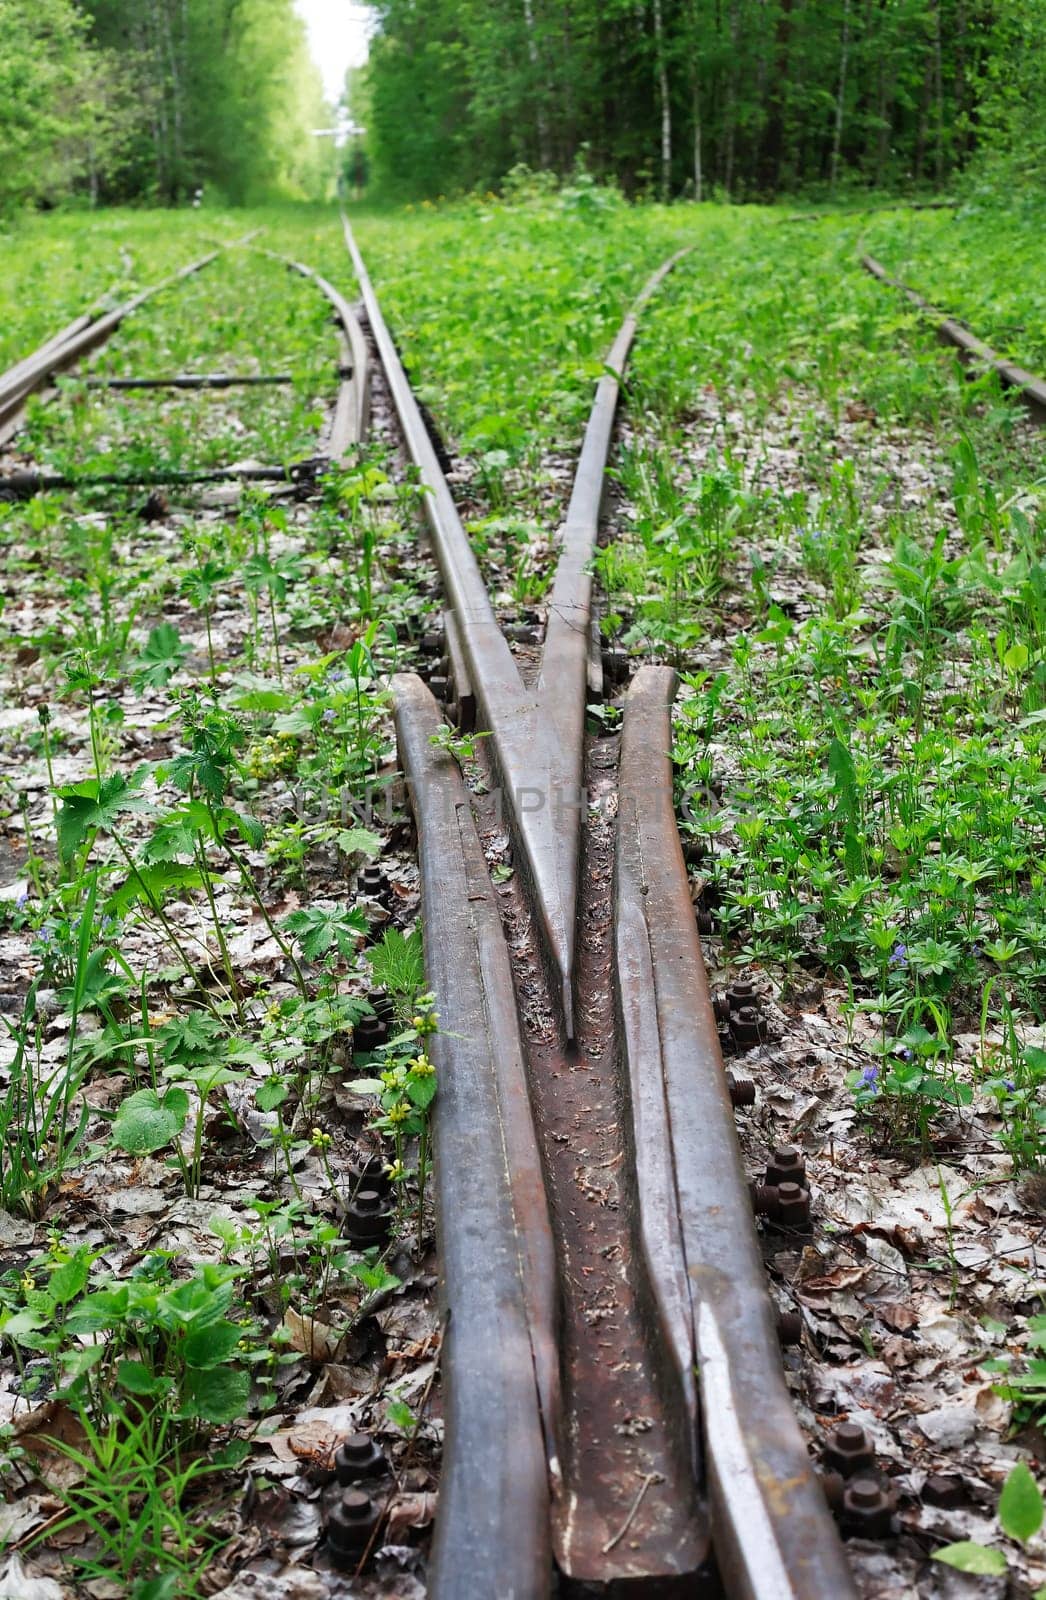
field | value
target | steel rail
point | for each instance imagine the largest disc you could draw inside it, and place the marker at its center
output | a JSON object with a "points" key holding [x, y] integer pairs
{"points": [[351, 416], [1031, 389], [497, 1271], [534, 731], [19, 381], [688, 1294], [773, 1533]]}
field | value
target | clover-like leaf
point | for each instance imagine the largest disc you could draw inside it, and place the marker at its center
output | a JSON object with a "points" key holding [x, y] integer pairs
{"points": [[147, 1121]]}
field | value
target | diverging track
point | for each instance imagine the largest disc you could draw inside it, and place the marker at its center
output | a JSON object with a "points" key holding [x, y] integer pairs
{"points": [[614, 1401]]}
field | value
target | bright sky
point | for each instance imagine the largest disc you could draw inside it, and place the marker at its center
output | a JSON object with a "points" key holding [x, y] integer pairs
{"points": [[338, 33]]}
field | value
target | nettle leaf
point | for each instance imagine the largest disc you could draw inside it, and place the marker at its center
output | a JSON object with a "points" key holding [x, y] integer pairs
{"points": [[89, 806], [215, 1394], [421, 1091], [70, 1279], [317, 928], [147, 1121], [163, 654], [968, 1556], [272, 1093], [1020, 1504]]}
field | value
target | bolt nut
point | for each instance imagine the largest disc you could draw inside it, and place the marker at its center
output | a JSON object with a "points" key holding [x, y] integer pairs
{"points": [[741, 1089], [350, 1523], [704, 922], [359, 1457], [848, 1450], [721, 1008], [369, 1033], [834, 1487], [786, 1165], [945, 1489], [371, 880], [367, 1217], [747, 1025], [742, 992], [787, 1204], [439, 684], [432, 642], [868, 1507]]}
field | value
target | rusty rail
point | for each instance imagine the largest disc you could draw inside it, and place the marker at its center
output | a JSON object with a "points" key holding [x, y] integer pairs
{"points": [[347, 428], [602, 1283], [1031, 389]]}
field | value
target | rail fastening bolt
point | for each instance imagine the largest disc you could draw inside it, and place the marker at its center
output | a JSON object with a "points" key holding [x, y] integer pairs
{"points": [[359, 1457], [705, 923], [721, 1008], [367, 1217], [439, 684], [350, 1523], [746, 1025], [369, 1033], [741, 993], [786, 1165], [793, 1205], [741, 1089], [371, 881], [868, 1506], [848, 1449]]}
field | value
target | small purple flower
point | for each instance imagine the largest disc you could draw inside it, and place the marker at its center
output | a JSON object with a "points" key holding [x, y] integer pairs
{"points": [[23, 899], [899, 956], [869, 1080], [906, 1054], [1011, 1086], [335, 677], [328, 715], [44, 936]]}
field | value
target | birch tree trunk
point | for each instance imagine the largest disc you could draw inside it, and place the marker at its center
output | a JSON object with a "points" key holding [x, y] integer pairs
{"points": [[666, 103]]}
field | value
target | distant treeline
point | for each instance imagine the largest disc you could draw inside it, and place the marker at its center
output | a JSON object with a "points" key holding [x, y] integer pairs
{"points": [[129, 99], [747, 98]]}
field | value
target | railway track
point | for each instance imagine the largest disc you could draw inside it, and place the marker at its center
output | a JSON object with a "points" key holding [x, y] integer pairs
{"points": [[617, 1420], [34, 374], [950, 331]]}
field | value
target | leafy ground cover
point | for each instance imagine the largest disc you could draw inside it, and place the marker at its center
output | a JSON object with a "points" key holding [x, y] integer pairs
{"points": [[213, 997], [836, 536]]}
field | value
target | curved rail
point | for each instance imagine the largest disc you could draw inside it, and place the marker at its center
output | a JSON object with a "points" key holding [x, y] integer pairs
{"points": [[351, 418], [601, 1276], [949, 331], [81, 336], [348, 425]]}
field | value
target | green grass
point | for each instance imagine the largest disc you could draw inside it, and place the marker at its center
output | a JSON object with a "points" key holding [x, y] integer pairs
{"points": [[979, 263]]}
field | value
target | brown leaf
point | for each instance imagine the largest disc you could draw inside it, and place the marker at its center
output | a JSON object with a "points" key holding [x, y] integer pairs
{"points": [[900, 1318], [409, 1511]]}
